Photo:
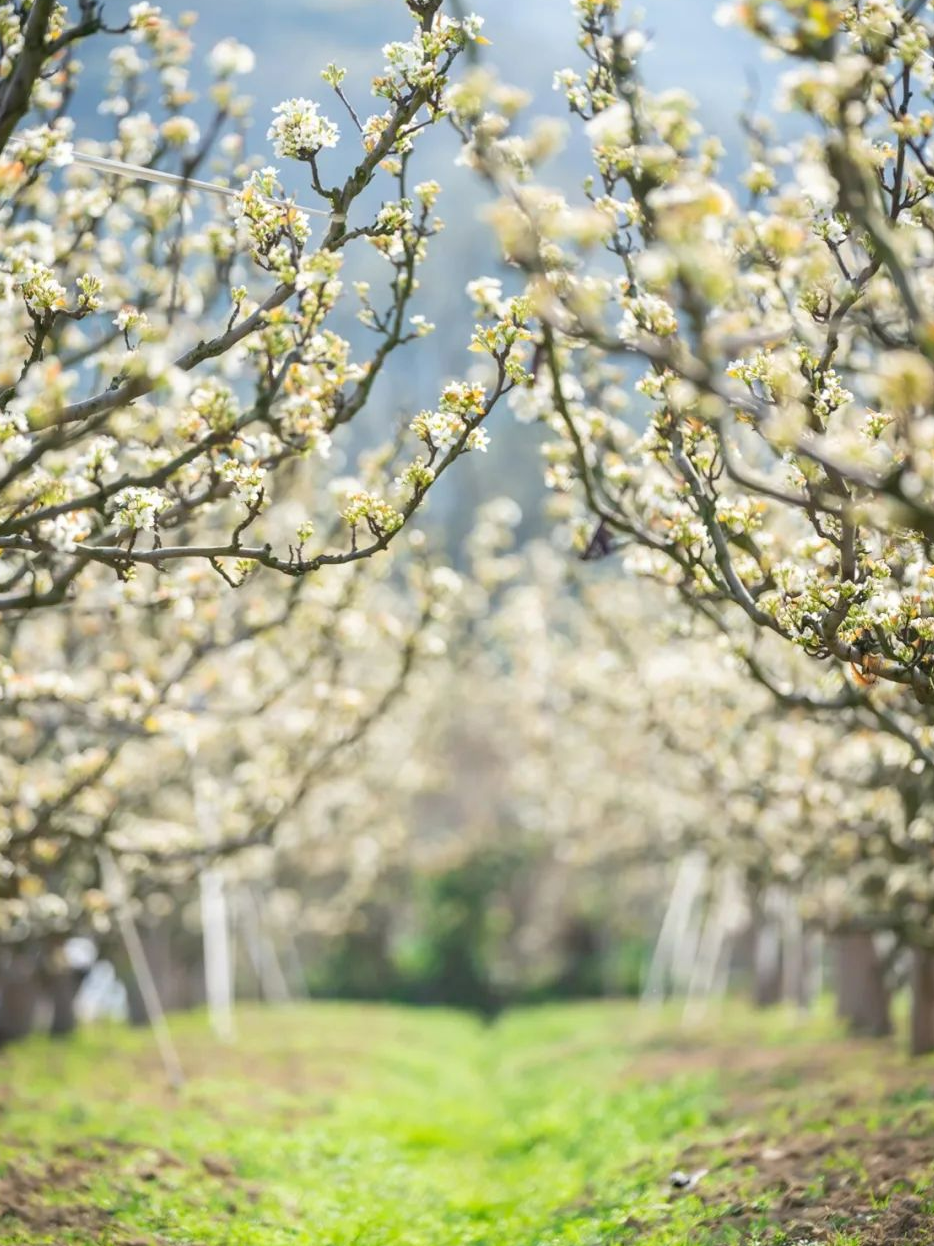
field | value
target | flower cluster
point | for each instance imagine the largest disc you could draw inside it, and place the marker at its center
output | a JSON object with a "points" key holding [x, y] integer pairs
{"points": [[299, 131], [364, 508], [138, 508]]}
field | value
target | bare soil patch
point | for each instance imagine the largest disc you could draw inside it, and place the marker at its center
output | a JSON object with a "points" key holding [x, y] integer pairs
{"points": [[828, 1139], [24, 1200]]}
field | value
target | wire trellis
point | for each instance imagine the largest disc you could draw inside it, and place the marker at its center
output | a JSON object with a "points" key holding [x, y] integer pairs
{"points": [[142, 173]]}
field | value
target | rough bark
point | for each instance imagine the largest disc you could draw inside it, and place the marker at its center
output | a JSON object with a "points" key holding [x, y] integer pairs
{"points": [[62, 988], [922, 1001], [19, 995], [862, 995], [14, 102]]}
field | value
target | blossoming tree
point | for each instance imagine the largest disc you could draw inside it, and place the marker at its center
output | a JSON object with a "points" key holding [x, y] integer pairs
{"points": [[171, 390], [145, 745], [781, 335], [171, 357]]}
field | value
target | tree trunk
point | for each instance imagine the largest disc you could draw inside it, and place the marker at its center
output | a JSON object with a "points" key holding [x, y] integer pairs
{"points": [[62, 988], [19, 995], [135, 1008], [767, 961], [862, 996], [922, 1001], [59, 981], [793, 956]]}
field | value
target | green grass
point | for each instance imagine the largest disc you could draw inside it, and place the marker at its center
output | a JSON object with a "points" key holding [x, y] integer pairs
{"points": [[335, 1125]]}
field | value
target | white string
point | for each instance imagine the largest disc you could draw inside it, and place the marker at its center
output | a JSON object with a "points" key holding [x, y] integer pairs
{"points": [[141, 173], [115, 886]]}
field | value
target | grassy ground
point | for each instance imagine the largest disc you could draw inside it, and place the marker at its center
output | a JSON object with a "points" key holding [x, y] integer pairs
{"points": [[337, 1125]]}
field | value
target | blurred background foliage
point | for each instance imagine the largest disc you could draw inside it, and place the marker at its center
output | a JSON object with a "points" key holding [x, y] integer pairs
{"points": [[460, 936]]}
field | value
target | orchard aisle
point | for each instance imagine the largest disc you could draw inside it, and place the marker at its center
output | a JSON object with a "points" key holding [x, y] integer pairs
{"points": [[333, 1124]]}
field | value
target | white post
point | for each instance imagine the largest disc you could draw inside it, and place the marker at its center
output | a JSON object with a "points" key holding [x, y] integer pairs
{"points": [[710, 973], [675, 924], [218, 961], [737, 919], [115, 884], [710, 949], [272, 981], [686, 948]]}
